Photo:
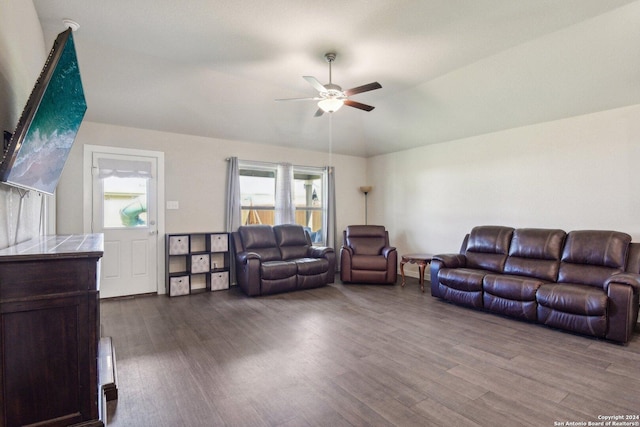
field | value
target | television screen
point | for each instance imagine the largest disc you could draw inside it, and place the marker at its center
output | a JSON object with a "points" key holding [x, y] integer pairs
{"points": [[40, 145]]}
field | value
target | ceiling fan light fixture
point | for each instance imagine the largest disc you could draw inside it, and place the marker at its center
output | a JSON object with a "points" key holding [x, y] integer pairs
{"points": [[331, 97], [330, 105]]}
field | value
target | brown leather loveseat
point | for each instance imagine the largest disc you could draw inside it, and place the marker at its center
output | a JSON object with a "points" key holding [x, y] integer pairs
{"points": [[280, 259], [584, 281]]}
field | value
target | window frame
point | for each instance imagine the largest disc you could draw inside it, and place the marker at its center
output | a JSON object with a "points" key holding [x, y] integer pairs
{"points": [[269, 169]]}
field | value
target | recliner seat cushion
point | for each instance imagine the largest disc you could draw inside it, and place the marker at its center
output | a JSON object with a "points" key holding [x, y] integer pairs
{"points": [[287, 284], [511, 295], [462, 279], [462, 286], [369, 262], [522, 309], [312, 266], [512, 287], [572, 298], [274, 270], [572, 307]]}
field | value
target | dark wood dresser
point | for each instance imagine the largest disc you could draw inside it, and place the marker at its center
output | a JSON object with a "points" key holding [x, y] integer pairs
{"points": [[49, 331]]}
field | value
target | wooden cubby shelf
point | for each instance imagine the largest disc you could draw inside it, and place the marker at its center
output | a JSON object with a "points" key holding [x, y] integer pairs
{"points": [[196, 262]]}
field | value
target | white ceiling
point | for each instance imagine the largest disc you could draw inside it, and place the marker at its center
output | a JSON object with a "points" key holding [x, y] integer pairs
{"points": [[449, 68]]}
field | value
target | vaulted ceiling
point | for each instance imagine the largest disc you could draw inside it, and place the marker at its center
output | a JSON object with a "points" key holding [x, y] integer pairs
{"points": [[449, 69]]}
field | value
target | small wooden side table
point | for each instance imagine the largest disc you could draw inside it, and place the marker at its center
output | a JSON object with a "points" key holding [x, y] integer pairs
{"points": [[421, 259]]}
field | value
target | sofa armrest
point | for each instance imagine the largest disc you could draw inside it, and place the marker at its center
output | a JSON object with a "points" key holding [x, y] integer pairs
{"points": [[629, 279], [346, 249], [248, 272], [329, 254], [244, 257], [346, 255], [444, 261], [320, 251], [622, 291], [451, 260], [387, 250]]}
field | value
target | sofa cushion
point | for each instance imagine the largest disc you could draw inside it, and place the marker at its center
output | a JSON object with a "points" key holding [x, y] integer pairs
{"points": [[573, 307], [462, 279], [535, 252], [292, 241], [369, 262], [287, 284], [366, 239], [589, 325], [274, 270], [312, 266], [591, 256], [511, 287], [592, 275], [488, 247], [261, 240], [597, 247], [538, 243], [573, 298], [511, 295]]}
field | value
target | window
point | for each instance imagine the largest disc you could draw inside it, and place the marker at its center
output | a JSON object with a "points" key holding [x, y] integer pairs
{"points": [[257, 196], [125, 202]]}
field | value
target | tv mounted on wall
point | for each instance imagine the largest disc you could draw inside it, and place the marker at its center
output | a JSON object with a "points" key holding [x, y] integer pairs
{"points": [[40, 145]]}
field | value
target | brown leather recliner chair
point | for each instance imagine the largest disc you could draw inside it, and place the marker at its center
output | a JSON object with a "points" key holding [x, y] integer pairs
{"points": [[366, 256]]}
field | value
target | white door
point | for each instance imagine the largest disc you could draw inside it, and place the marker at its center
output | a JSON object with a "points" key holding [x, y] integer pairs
{"points": [[125, 210]]}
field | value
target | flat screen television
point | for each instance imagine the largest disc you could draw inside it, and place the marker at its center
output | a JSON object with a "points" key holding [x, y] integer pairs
{"points": [[39, 147]]}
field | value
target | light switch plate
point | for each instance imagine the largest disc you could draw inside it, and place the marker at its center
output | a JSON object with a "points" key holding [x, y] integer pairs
{"points": [[173, 204]]}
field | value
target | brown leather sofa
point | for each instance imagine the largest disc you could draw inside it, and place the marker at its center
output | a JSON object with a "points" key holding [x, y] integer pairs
{"points": [[584, 281], [277, 259], [366, 256]]}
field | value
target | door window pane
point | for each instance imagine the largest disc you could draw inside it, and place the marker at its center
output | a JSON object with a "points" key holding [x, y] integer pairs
{"points": [[125, 202]]}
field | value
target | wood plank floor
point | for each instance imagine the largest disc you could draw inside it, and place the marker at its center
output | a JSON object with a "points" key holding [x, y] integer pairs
{"points": [[355, 355]]}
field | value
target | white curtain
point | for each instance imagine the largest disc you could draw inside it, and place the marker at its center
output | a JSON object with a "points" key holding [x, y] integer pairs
{"points": [[234, 216], [285, 207], [329, 226], [123, 168]]}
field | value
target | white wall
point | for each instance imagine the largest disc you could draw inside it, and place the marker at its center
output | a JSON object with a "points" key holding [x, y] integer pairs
{"points": [[195, 175], [577, 173], [22, 56]]}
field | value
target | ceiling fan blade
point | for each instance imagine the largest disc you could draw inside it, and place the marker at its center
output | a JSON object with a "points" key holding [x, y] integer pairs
{"points": [[299, 99], [318, 113], [358, 105], [363, 88], [315, 83]]}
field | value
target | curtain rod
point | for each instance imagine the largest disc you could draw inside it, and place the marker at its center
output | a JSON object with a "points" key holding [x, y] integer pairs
{"points": [[259, 163]]}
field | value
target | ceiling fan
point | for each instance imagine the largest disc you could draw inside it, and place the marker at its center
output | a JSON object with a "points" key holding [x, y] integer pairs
{"points": [[331, 96]]}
